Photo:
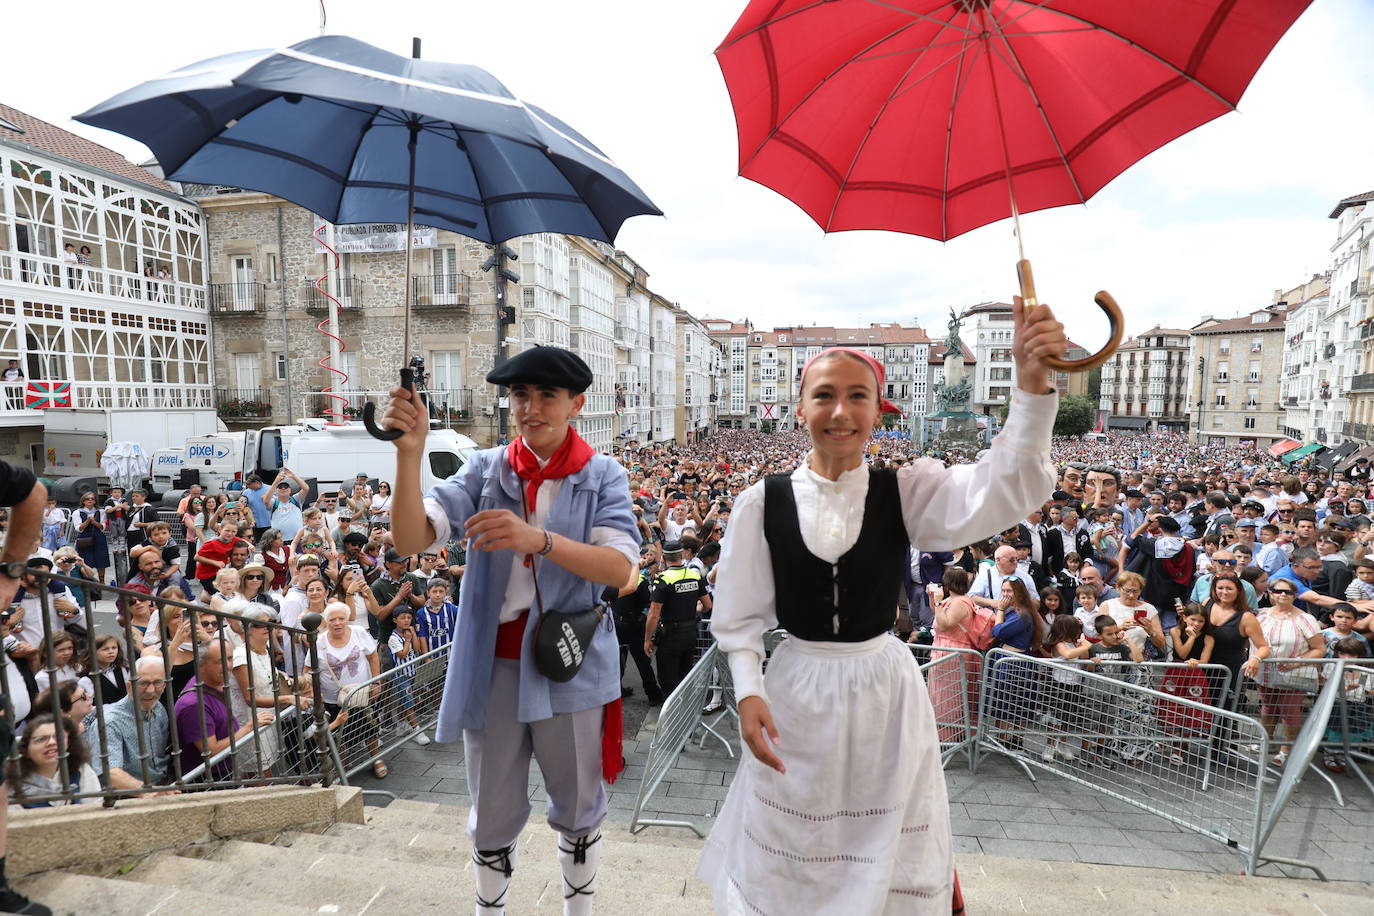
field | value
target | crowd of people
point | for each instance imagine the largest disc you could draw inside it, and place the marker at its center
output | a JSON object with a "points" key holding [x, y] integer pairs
{"points": [[257, 557], [1152, 548]]}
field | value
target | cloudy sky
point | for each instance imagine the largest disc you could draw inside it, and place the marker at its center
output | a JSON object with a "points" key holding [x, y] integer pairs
{"points": [[1211, 224]]}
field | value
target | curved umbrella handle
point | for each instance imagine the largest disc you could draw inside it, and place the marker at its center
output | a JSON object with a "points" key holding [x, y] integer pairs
{"points": [[370, 411], [1104, 301]]}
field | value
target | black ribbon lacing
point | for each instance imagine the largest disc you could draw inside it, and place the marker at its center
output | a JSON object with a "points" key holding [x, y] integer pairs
{"points": [[579, 854], [497, 860]]}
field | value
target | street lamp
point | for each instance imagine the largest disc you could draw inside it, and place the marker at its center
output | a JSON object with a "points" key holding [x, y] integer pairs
{"points": [[1201, 393]]}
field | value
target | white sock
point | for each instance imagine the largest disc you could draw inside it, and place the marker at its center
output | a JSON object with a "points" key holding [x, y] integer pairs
{"points": [[491, 870], [579, 859]]}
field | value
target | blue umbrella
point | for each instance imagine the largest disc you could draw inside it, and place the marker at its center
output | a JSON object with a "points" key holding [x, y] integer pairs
{"points": [[357, 134]]}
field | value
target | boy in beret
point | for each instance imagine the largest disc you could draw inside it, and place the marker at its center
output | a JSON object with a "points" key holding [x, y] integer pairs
{"points": [[545, 505]]}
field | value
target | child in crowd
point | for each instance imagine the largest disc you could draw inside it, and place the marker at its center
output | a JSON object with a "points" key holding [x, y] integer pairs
{"points": [[1361, 588], [1087, 611], [1192, 642], [1351, 714], [54, 523], [438, 619], [1342, 627], [405, 644], [1112, 647], [1067, 643], [1068, 579], [108, 670]]}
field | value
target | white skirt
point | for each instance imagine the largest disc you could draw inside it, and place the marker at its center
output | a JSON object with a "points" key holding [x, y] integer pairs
{"points": [[859, 824]]}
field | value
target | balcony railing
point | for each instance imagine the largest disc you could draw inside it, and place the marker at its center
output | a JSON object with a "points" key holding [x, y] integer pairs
{"points": [[36, 270], [451, 405], [1359, 431], [237, 298], [1290, 402], [243, 403], [102, 395], [1363, 382], [437, 291], [350, 296]]}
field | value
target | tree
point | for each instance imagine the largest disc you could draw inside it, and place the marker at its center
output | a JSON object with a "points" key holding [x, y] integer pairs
{"points": [[1095, 383], [1076, 416]]}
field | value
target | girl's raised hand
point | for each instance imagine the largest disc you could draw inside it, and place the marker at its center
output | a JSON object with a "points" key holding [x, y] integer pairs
{"points": [[756, 724]]}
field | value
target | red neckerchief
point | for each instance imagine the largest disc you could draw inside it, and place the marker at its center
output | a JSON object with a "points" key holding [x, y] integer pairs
{"points": [[571, 457]]}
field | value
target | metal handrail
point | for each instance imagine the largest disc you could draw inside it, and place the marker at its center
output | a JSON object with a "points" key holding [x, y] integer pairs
{"points": [[178, 780]]}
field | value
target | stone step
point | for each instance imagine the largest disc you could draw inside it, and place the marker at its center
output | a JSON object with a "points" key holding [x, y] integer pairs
{"points": [[69, 894], [538, 872], [444, 819], [284, 883]]}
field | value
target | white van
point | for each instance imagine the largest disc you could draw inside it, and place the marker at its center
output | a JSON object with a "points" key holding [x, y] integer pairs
{"points": [[335, 455], [1094, 437]]}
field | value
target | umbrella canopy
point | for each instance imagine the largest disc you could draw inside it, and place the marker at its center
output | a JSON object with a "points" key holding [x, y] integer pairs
{"points": [[1297, 453], [327, 124], [913, 115], [1283, 445]]}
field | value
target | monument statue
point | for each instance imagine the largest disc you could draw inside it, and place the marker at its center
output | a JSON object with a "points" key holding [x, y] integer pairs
{"points": [[953, 399], [953, 343]]}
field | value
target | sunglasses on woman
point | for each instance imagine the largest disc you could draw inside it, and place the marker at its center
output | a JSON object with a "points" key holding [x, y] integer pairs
{"points": [[1282, 591]]}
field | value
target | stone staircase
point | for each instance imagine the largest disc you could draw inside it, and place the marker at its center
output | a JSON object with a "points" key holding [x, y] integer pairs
{"points": [[413, 857]]}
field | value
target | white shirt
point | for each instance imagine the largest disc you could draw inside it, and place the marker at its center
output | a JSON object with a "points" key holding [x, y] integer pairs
{"points": [[943, 508]]}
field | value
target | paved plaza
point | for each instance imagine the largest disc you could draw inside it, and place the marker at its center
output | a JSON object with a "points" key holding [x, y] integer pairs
{"points": [[996, 812]]}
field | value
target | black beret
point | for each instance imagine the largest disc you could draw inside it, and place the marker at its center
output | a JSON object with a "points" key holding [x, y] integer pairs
{"points": [[552, 366]]}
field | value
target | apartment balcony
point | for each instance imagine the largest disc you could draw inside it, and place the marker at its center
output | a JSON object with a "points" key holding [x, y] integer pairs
{"points": [[238, 298], [350, 296], [1363, 382], [440, 291], [23, 268], [236, 404], [1359, 431]]}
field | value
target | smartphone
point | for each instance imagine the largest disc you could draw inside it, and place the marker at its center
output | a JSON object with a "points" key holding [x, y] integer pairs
{"points": [[1140, 614]]}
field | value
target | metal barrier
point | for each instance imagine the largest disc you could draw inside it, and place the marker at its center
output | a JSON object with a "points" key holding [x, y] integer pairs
{"points": [[952, 676], [1283, 696], [1194, 764], [677, 722], [378, 716], [138, 742]]}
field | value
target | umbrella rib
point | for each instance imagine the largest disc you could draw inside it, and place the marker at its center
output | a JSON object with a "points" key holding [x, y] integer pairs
{"points": [[959, 84], [377, 112], [873, 124], [926, 17], [1151, 54], [1021, 74], [776, 128], [768, 22]]}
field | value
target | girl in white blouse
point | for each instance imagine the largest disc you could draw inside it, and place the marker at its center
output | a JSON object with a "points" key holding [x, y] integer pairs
{"points": [[842, 807]]}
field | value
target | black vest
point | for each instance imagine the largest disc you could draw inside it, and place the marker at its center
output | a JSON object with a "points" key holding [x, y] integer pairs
{"points": [[867, 578]]}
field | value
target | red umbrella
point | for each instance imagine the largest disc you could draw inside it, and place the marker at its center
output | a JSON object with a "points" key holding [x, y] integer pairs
{"points": [[935, 117]]}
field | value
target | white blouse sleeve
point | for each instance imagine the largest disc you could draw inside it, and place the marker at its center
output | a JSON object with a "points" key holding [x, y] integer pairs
{"points": [[743, 608], [948, 508]]}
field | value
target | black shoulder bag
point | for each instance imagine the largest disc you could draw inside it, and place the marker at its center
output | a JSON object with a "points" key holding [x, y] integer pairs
{"points": [[561, 638]]}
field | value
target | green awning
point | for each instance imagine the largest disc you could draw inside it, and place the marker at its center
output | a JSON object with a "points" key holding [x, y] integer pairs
{"points": [[1305, 450]]}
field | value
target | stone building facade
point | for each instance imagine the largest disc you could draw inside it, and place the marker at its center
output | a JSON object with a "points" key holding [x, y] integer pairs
{"points": [[1233, 403], [1145, 383], [264, 261]]}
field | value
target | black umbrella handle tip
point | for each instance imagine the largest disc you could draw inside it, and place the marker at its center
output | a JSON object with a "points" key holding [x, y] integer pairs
{"points": [[370, 411]]}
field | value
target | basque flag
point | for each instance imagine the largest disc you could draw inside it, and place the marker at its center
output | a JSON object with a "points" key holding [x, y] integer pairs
{"points": [[39, 395]]}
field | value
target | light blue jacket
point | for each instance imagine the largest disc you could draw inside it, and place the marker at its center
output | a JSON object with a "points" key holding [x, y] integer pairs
{"points": [[598, 496]]}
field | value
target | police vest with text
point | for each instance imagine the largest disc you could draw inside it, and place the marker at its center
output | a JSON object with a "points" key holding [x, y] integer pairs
{"points": [[681, 587]]}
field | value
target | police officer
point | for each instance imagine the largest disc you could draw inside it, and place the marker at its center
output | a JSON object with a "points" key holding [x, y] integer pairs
{"points": [[631, 605], [674, 597]]}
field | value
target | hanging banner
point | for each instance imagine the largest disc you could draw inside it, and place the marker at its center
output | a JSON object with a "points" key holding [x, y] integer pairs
{"points": [[364, 238]]}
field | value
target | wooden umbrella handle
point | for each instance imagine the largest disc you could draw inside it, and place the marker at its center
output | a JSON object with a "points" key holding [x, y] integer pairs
{"points": [[1104, 301]]}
